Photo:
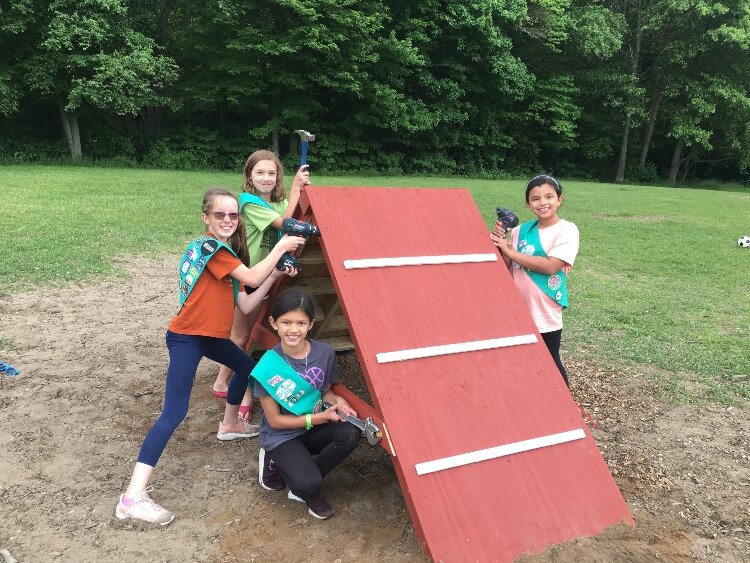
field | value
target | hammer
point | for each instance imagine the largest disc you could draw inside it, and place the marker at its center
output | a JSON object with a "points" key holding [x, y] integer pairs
{"points": [[306, 137]]}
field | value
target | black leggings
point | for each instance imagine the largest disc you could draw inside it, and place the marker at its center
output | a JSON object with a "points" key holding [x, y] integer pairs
{"points": [[331, 442], [552, 340]]}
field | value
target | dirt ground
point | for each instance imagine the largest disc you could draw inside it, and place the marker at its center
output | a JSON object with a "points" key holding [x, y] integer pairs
{"points": [[93, 361]]}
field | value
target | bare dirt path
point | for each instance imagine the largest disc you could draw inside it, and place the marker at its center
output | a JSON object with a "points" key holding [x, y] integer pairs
{"points": [[93, 360]]}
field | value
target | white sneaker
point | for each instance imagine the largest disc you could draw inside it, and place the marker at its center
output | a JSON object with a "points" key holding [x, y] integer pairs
{"points": [[269, 476], [317, 505], [144, 508], [240, 429]]}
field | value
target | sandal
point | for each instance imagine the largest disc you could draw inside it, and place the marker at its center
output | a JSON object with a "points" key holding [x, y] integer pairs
{"points": [[246, 410], [8, 369], [219, 394]]}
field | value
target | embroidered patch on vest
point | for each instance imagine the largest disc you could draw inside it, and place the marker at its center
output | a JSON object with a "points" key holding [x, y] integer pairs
{"points": [[208, 247], [554, 282]]}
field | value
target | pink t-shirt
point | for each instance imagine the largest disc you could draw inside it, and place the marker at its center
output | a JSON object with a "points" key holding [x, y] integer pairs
{"points": [[559, 241]]}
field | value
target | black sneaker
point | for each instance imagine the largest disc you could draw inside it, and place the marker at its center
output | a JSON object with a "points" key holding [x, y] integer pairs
{"points": [[268, 475], [319, 507]]}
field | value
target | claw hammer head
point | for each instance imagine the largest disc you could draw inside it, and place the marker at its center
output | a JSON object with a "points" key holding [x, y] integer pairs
{"points": [[306, 137]]}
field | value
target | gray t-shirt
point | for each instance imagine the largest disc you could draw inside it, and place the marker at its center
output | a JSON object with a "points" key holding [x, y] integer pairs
{"points": [[321, 372]]}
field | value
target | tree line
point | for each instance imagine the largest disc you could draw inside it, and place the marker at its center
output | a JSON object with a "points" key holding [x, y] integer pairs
{"points": [[622, 90]]}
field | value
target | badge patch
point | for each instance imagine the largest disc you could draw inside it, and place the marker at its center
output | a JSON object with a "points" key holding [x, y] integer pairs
{"points": [[558, 296], [554, 282], [189, 280], [529, 249], [208, 247], [192, 254], [275, 380], [185, 266], [285, 390]]}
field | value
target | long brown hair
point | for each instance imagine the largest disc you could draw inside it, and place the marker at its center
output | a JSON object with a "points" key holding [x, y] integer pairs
{"points": [[278, 193], [238, 240]]}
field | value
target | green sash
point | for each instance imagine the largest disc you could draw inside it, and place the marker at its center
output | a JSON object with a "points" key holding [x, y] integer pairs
{"points": [[555, 285], [285, 385], [194, 262]]}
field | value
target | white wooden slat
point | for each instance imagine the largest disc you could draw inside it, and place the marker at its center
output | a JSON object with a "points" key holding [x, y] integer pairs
{"points": [[418, 260], [498, 451], [415, 353]]}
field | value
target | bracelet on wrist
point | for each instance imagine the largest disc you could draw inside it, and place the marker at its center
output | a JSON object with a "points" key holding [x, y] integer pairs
{"points": [[308, 421]]}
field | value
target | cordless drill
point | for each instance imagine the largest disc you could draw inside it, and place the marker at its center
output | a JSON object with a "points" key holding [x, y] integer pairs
{"points": [[291, 226], [507, 218]]}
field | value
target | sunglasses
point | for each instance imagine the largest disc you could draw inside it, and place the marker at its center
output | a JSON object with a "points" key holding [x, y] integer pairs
{"points": [[219, 215]]}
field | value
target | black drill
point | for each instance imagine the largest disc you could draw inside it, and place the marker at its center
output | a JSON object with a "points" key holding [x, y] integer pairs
{"points": [[507, 218], [291, 226]]}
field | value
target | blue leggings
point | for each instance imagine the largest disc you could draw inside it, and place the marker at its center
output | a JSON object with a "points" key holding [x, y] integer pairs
{"points": [[185, 352]]}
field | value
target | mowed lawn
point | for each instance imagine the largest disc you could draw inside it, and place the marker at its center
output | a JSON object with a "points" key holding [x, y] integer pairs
{"points": [[660, 286]]}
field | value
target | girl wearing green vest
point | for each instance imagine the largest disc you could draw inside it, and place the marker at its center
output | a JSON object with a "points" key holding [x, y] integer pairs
{"points": [[263, 205], [299, 447], [539, 255], [210, 275]]}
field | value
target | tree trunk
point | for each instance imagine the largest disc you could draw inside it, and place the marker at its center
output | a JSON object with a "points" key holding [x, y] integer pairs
{"points": [[650, 127], [293, 142], [275, 130], [72, 134], [686, 163], [635, 62], [222, 113], [135, 134], [676, 160], [620, 176], [152, 117]]}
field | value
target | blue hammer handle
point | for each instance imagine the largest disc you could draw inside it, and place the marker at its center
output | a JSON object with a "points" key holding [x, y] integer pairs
{"points": [[303, 159]]}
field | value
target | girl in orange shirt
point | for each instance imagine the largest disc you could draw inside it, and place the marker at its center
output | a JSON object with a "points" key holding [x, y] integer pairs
{"points": [[210, 274]]}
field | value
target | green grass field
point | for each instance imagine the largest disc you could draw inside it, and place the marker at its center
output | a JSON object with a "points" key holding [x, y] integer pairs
{"points": [[659, 287]]}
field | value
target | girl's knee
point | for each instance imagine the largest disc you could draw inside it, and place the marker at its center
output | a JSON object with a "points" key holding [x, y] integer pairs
{"points": [[169, 421], [307, 484], [348, 437]]}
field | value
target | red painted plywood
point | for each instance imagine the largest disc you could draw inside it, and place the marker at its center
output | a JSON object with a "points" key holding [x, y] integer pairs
{"points": [[437, 407]]}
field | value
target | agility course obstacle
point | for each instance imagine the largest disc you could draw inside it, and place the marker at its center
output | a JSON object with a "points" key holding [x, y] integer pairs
{"points": [[490, 450]]}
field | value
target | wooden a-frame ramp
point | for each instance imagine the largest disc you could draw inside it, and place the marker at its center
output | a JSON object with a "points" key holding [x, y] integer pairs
{"points": [[490, 450]]}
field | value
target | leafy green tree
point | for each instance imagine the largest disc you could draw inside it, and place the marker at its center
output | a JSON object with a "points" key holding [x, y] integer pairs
{"points": [[89, 55]]}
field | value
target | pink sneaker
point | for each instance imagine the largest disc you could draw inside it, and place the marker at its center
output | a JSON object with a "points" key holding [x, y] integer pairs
{"points": [[240, 429], [144, 508]]}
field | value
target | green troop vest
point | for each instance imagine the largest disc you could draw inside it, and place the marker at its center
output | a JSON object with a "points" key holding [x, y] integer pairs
{"points": [[282, 382], [254, 200], [555, 285], [194, 262]]}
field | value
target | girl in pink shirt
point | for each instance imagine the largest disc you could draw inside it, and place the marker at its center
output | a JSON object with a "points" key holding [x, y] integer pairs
{"points": [[539, 255]]}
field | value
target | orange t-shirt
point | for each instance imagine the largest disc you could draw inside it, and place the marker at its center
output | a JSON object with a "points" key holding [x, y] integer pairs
{"points": [[209, 309]]}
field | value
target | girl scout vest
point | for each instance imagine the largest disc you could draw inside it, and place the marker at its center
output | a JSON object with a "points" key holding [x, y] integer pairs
{"points": [[254, 200], [554, 285], [194, 262], [288, 388]]}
